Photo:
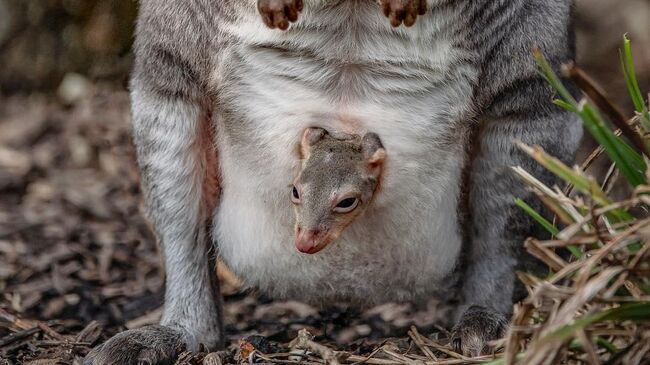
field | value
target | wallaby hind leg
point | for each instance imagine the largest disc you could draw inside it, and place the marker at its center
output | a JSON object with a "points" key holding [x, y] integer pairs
{"points": [[172, 134], [176, 181], [517, 108]]}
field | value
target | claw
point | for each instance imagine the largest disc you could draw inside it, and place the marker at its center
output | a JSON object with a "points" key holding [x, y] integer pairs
{"points": [[279, 13], [456, 343], [403, 11]]}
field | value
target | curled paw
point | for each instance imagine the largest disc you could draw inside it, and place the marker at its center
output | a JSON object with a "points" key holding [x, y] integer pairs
{"points": [[477, 327], [279, 13], [153, 345], [405, 11]]}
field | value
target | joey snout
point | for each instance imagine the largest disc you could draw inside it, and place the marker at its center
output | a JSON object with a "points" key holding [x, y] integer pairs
{"points": [[313, 238], [311, 241]]}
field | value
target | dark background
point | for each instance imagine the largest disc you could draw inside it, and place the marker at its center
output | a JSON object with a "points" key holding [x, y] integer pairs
{"points": [[42, 40]]}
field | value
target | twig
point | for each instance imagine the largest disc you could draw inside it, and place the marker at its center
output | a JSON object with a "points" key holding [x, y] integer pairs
{"points": [[443, 349], [303, 341], [416, 337], [372, 354], [50, 332], [18, 336], [15, 321]]}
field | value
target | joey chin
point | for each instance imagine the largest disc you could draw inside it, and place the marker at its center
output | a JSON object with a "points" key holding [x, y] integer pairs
{"points": [[338, 178]]}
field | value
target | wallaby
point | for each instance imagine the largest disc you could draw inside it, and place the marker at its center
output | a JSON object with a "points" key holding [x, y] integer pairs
{"points": [[220, 101]]}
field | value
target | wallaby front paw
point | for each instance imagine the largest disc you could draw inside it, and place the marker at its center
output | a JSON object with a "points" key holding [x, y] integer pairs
{"points": [[477, 327], [153, 345], [406, 11], [278, 13]]}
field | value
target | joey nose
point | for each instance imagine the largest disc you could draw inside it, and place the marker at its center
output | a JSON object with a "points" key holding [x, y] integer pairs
{"points": [[308, 240]]}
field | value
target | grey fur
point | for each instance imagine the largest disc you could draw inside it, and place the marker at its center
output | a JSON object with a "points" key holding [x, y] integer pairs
{"points": [[489, 86]]}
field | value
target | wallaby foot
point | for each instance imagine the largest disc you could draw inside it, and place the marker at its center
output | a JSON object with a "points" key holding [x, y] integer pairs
{"points": [[476, 327], [152, 345]]}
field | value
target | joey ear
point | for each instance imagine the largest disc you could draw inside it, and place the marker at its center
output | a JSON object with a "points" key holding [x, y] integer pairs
{"points": [[310, 137], [373, 153]]}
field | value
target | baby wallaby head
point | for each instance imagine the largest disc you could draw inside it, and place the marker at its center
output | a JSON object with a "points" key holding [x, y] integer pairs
{"points": [[338, 178]]}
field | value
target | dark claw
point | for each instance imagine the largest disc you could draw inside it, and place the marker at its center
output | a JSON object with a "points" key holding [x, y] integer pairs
{"points": [[397, 17], [456, 344], [279, 13], [422, 7], [403, 11]]}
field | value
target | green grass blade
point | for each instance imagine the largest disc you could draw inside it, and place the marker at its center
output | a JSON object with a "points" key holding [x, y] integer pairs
{"points": [[627, 61], [627, 160], [565, 105], [552, 78], [537, 217], [610, 347], [575, 251]]}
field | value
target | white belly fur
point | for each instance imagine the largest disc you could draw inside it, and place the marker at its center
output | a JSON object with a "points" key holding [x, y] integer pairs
{"points": [[408, 241]]}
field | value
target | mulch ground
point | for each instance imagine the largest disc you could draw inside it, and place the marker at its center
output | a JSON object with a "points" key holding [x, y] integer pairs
{"points": [[78, 262]]}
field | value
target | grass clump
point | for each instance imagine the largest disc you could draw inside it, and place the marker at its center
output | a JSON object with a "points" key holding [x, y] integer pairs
{"points": [[594, 307]]}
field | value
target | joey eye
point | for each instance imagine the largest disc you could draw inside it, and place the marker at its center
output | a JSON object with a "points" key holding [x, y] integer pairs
{"points": [[295, 196], [346, 205]]}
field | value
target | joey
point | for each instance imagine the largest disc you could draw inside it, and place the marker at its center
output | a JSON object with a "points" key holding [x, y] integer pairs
{"points": [[336, 184]]}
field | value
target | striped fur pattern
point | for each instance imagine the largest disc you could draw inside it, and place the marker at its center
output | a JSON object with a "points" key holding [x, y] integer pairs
{"points": [[211, 80]]}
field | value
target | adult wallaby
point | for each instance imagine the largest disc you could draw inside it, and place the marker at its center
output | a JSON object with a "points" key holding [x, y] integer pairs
{"points": [[221, 102]]}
